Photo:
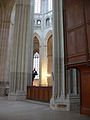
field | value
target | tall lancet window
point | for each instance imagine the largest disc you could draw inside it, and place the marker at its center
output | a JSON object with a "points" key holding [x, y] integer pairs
{"points": [[49, 5], [36, 64], [37, 6]]}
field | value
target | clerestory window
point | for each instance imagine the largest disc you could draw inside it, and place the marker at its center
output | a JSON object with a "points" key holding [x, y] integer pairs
{"points": [[36, 63], [37, 6], [49, 5]]}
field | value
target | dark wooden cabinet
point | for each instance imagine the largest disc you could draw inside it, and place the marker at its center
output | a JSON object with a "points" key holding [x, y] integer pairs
{"points": [[77, 45]]}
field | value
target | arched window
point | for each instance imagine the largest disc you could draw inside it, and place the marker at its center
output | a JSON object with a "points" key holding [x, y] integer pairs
{"points": [[36, 63], [38, 22], [37, 6], [48, 22], [49, 5]]}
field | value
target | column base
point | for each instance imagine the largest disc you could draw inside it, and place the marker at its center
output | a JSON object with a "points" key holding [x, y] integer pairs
{"points": [[17, 96], [66, 104], [59, 104], [4, 88], [2, 91], [74, 101]]}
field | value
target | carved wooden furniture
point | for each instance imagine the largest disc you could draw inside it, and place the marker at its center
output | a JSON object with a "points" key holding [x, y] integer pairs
{"points": [[39, 93]]}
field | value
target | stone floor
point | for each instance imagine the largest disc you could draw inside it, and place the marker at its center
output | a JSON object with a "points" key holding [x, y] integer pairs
{"points": [[26, 110]]}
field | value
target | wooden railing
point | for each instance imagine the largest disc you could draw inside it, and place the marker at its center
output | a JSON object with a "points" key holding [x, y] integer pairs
{"points": [[39, 93]]}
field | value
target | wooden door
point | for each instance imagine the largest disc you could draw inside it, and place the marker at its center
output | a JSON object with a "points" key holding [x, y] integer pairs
{"points": [[85, 90]]}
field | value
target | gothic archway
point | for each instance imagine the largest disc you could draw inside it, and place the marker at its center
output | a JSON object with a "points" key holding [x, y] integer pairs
{"points": [[36, 60]]}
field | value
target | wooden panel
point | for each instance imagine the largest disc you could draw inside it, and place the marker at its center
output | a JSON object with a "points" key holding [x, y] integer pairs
{"points": [[87, 9], [85, 90], [76, 46], [74, 13], [39, 93], [77, 31], [88, 33], [87, 13]]}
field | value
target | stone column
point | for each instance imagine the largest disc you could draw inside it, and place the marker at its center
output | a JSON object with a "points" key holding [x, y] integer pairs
{"points": [[58, 95], [73, 90], [21, 57], [74, 81], [60, 100], [43, 65], [3, 52]]}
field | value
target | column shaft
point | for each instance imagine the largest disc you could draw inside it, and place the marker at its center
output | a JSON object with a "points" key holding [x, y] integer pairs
{"points": [[58, 50], [21, 50], [43, 65], [58, 100], [4, 33]]}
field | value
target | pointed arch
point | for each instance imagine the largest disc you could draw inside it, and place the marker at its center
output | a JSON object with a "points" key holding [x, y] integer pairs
{"points": [[37, 35], [48, 40], [36, 45], [36, 56], [48, 35]]}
